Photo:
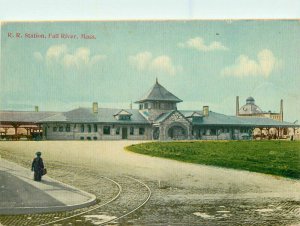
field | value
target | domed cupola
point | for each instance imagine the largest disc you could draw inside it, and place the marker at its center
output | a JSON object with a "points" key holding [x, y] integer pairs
{"points": [[250, 107], [250, 100]]}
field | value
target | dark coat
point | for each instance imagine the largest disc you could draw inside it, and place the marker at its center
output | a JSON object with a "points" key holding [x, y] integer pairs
{"points": [[37, 164]]}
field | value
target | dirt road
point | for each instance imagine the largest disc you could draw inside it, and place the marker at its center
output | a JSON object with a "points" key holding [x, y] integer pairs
{"points": [[182, 193]]}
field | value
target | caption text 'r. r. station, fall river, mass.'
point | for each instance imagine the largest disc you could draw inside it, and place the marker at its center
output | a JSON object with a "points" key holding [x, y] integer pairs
{"points": [[18, 35]]}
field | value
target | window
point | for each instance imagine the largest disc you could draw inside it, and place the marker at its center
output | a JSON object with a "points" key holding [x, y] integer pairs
{"points": [[88, 138], [95, 128], [82, 128], [124, 117], [141, 131], [141, 106], [146, 105], [131, 130], [118, 130], [68, 128], [54, 129], [60, 128], [213, 132], [106, 130], [95, 138], [89, 128], [81, 138]]}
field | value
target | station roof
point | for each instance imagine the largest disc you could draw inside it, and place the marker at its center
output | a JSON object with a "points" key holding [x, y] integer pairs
{"points": [[107, 115], [23, 116], [159, 93], [220, 119], [104, 115]]}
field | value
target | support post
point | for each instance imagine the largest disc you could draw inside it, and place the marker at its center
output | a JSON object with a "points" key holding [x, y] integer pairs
{"points": [[16, 126]]}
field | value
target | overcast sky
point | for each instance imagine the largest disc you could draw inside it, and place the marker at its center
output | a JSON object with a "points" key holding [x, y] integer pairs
{"points": [[201, 62]]}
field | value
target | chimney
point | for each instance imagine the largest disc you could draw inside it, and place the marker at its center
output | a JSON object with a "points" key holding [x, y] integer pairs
{"points": [[36, 108], [237, 106], [205, 110], [281, 109], [95, 107]]}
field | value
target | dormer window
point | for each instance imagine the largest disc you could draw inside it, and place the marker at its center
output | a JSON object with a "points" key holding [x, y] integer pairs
{"points": [[197, 118], [123, 115]]}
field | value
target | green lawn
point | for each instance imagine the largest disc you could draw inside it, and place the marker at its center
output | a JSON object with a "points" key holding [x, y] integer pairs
{"points": [[272, 157]]}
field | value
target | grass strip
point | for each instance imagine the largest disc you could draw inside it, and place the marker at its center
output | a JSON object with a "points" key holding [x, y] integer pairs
{"points": [[280, 158]]}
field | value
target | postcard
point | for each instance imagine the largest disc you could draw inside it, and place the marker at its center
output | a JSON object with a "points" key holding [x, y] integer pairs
{"points": [[150, 122]]}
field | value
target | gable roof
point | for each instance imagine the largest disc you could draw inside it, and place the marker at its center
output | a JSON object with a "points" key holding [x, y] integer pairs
{"points": [[122, 112], [159, 93], [161, 118]]}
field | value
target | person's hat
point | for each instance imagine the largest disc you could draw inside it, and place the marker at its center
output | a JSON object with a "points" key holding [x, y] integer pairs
{"points": [[38, 153]]}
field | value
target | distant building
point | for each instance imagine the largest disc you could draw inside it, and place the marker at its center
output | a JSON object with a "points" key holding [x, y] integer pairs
{"points": [[156, 119], [250, 109]]}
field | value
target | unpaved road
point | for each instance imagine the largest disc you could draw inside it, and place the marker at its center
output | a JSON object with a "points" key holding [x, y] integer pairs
{"points": [[182, 193]]}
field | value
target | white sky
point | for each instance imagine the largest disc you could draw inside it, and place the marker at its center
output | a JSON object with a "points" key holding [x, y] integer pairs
{"points": [[146, 9]]}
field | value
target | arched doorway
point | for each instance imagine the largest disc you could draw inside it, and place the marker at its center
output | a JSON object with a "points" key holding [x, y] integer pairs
{"points": [[177, 132]]}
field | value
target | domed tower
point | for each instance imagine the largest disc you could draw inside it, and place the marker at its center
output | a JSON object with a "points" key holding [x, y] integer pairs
{"points": [[250, 107], [157, 100], [250, 100]]}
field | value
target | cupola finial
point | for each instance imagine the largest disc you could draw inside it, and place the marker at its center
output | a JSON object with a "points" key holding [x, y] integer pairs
{"points": [[156, 80]]}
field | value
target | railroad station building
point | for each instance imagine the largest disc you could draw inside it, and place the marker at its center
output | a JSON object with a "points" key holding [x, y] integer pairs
{"points": [[157, 118]]}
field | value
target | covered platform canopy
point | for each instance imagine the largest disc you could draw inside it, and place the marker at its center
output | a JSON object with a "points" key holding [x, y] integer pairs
{"points": [[217, 120], [21, 119]]}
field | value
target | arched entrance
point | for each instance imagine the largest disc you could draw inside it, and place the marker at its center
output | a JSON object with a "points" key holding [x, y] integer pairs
{"points": [[177, 132]]}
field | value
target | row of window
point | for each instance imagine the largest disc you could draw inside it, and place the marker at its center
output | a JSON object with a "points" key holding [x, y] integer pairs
{"points": [[89, 138], [89, 128], [106, 129], [61, 129], [157, 105]]}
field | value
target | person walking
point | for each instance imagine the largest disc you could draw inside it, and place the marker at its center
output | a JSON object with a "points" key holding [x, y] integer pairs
{"points": [[37, 166]]}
